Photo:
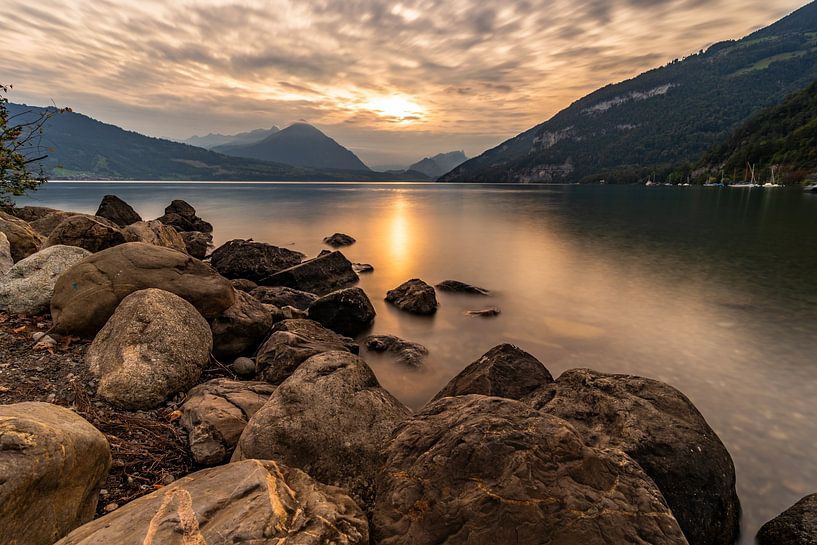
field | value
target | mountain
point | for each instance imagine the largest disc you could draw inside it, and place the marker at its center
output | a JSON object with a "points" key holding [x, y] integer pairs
{"points": [[299, 145], [666, 116], [214, 139], [79, 147], [784, 136], [436, 166]]}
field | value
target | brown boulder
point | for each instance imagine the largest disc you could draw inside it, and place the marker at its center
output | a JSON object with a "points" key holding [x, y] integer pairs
{"points": [[182, 217], [118, 211], [252, 260], [413, 296], [23, 239], [321, 275], [240, 329], [88, 232], [196, 243], [154, 232], [284, 297], [797, 525], [348, 311]]}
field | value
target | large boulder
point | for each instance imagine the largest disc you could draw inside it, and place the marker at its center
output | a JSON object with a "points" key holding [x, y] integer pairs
{"points": [[661, 430], [348, 311], [92, 233], [215, 413], [154, 232], [196, 243], [45, 225], [252, 260], [6, 261], [29, 285], [504, 371], [281, 297], [87, 294], [240, 329], [251, 502], [330, 418], [407, 352], [52, 465], [414, 296], [156, 344], [182, 217], [797, 525], [30, 213], [477, 469], [291, 343], [23, 239], [118, 211], [321, 275]]}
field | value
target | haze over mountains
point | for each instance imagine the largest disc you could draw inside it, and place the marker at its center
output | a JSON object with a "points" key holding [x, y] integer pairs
{"points": [[214, 139], [436, 166]]}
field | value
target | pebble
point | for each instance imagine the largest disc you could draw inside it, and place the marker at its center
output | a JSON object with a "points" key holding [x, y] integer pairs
{"points": [[111, 507], [243, 367]]}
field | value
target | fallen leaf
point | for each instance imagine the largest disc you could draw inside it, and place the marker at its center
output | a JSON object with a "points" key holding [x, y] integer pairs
{"points": [[19, 329], [175, 415]]}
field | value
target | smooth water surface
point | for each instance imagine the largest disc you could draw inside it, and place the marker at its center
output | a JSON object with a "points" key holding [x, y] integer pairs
{"points": [[713, 291]]}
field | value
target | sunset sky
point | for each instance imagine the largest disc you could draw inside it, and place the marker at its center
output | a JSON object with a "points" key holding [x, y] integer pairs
{"points": [[392, 80]]}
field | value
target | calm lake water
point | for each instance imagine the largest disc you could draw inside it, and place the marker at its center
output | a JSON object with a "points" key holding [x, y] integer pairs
{"points": [[713, 291]]}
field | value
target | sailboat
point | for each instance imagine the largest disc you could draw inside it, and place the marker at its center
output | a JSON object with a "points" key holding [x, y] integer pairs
{"points": [[751, 184], [771, 183]]}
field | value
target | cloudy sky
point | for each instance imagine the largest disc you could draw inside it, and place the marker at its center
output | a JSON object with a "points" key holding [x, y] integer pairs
{"points": [[392, 79]]}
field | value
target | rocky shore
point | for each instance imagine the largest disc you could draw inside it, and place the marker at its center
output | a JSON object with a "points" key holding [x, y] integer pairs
{"points": [[155, 390]]}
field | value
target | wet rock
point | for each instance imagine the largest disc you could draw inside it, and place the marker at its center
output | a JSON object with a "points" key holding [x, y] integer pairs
{"points": [[661, 430], [490, 312], [154, 232], [155, 344], [414, 296], [338, 240], [23, 239], [795, 526], [196, 243], [6, 261], [321, 275], [243, 367], [182, 217], [86, 295], [92, 233], [504, 371], [330, 418], [407, 352], [242, 284], [118, 211], [29, 285], [215, 413], [362, 268], [252, 502], [240, 329], [252, 260], [284, 297], [477, 469], [291, 343], [52, 465], [348, 311], [455, 286]]}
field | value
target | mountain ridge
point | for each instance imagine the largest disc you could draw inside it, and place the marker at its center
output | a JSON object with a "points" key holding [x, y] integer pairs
{"points": [[212, 140], [436, 166]]}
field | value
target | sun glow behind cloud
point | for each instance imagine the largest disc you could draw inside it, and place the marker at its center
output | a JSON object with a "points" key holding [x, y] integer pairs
{"points": [[396, 109]]}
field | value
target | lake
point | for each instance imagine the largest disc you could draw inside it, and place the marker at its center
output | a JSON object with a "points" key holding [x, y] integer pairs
{"points": [[711, 290]]}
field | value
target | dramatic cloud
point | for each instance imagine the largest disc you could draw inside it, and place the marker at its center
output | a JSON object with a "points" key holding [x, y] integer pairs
{"points": [[394, 80]]}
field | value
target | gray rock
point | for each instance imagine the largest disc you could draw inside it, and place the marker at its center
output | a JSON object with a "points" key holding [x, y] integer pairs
{"points": [[321, 275], [243, 367], [252, 260], [89, 232], [86, 295], [52, 465], [154, 232], [330, 418], [348, 311], [215, 413], [797, 525], [477, 469], [407, 352], [414, 296], [29, 285], [284, 297], [23, 239], [240, 329], [291, 343], [182, 217], [118, 211], [251, 502], [455, 286], [503, 371], [196, 243], [156, 344], [338, 240], [661, 430], [6, 261]]}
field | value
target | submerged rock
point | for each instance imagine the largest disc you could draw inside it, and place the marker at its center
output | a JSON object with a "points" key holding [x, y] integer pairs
{"points": [[89, 232], [362, 268], [490, 312], [182, 217], [414, 296], [29, 285], [503, 371], [284, 297], [338, 240], [407, 352], [331, 419], [118, 211], [348, 311], [321, 275], [662, 431], [52, 465], [252, 502], [86, 295], [477, 469], [154, 232], [240, 329], [23, 239], [455, 286], [196, 243], [252, 260], [215, 413], [156, 344], [797, 525]]}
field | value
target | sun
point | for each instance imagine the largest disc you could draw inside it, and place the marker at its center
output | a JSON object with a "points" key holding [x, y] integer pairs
{"points": [[395, 108]]}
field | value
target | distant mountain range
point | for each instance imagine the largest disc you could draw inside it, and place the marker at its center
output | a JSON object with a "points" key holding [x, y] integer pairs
{"points": [[664, 117], [82, 148], [214, 139], [299, 145], [436, 166]]}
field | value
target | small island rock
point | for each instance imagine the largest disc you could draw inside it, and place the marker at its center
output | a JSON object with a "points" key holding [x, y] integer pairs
{"points": [[414, 296], [407, 352], [455, 286], [339, 240]]}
